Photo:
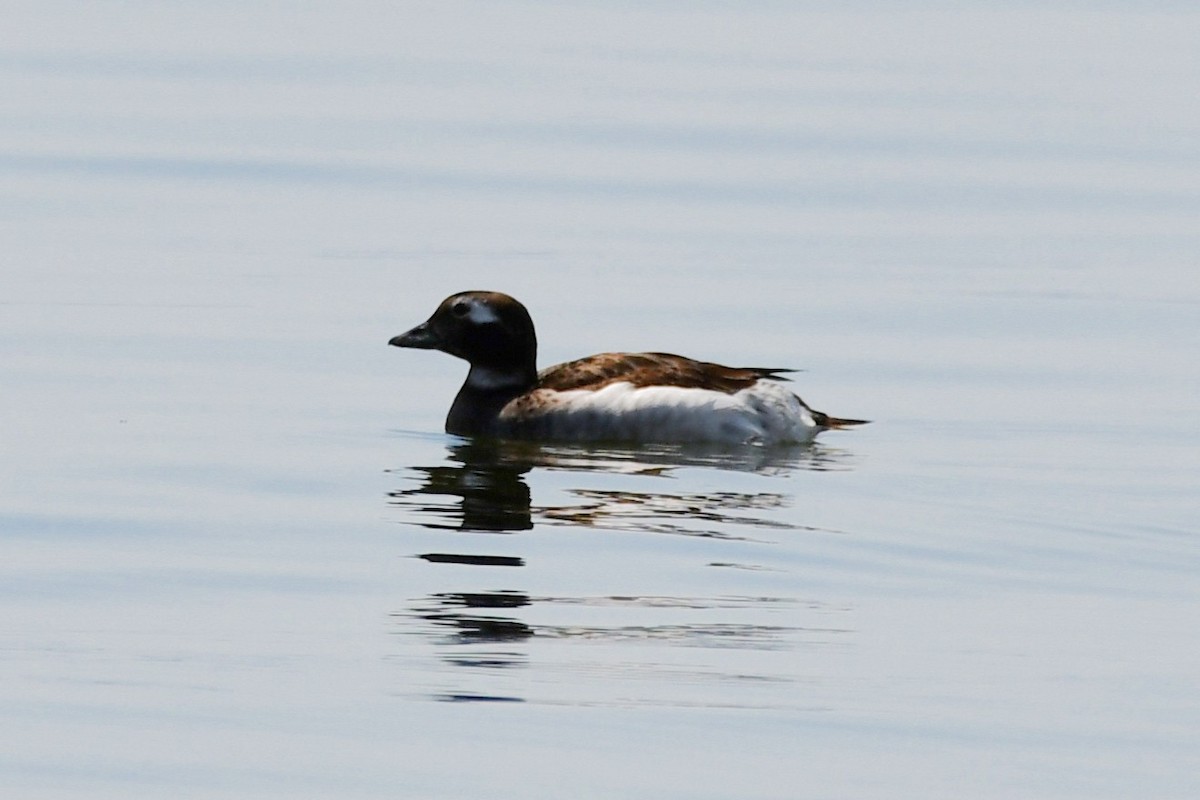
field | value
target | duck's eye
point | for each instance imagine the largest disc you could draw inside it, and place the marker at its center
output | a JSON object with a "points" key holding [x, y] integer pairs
{"points": [[461, 308]]}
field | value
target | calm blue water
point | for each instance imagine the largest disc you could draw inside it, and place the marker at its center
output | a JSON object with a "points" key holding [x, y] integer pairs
{"points": [[241, 560]]}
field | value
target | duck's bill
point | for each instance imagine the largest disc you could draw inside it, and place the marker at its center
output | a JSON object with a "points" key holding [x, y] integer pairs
{"points": [[421, 337]]}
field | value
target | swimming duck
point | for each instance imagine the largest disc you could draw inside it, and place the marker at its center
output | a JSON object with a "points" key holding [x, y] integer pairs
{"points": [[615, 397]]}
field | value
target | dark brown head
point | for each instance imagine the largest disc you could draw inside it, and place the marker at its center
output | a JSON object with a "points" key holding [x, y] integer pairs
{"points": [[488, 329]]}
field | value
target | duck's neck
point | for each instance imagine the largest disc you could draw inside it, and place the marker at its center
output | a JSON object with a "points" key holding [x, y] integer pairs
{"points": [[485, 392]]}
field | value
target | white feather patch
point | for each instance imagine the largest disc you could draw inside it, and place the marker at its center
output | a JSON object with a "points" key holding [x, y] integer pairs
{"points": [[766, 413], [482, 313]]}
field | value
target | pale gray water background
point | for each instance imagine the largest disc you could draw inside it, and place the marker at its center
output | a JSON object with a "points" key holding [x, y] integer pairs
{"points": [[234, 537]]}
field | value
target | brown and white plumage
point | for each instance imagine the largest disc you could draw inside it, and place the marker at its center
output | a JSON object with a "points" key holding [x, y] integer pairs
{"points": [[629, 397]]}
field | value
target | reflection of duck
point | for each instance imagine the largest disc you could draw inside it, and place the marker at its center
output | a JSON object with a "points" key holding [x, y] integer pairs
{"points": [[473, 626], [703, 515], [639, 397], [486, 481], [485, 654], [473, 636], [607, 645], [492, 494]]}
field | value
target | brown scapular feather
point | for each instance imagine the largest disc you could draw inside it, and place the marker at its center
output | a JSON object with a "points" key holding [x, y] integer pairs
{"points": [[652, 369]]}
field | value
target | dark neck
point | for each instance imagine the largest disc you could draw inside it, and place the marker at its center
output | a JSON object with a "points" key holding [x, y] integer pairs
{"points": [[481, 397]]}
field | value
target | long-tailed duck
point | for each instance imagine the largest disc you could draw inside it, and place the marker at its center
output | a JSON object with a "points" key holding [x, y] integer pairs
{"points": [[629, 397]]}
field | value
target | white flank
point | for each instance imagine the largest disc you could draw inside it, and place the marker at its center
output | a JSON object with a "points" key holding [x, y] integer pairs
{"points": [[766, 413]]}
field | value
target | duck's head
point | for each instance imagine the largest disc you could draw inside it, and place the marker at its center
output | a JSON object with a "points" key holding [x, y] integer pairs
{"points": [[487, 329]]}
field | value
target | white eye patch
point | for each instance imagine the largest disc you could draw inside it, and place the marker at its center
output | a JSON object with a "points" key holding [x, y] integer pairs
{"points": [[482, 314]]}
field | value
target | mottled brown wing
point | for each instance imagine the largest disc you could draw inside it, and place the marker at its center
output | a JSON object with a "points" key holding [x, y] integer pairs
{"points": [[651, 369]]}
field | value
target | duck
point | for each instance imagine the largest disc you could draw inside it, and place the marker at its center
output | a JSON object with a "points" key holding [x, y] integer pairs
{"points": [[609, 397]]}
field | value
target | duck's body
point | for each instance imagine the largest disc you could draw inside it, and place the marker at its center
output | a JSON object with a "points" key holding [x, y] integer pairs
{"points": [[625, 397]]}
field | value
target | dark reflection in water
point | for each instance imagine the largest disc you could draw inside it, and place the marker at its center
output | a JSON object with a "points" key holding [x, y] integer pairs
{"points": [[442, 610], [464, 558], [486, 487], [477, 698], [458, 625], [481, 487]]}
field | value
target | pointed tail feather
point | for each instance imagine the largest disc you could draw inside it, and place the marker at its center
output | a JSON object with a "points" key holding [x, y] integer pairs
{"points": [[826, 421]]}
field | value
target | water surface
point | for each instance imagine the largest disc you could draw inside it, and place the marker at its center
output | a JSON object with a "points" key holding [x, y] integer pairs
{"points": [[241, 559]]}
